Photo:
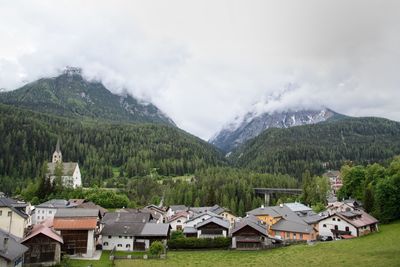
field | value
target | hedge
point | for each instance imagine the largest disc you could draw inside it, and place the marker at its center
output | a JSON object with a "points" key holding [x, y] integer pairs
{"points": [[199, 243]]}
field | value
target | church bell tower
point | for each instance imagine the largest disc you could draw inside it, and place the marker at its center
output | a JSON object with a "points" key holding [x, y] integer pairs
{"points": [[57, 156]]}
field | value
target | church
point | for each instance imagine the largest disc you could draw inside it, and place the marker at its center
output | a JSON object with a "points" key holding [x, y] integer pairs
{"points": [[71, 175]]}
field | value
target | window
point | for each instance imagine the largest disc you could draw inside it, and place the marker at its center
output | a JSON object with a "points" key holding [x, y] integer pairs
{"points": [[324, 225], [301, 236], [120, 236], [336, 227], [126, 237], [109, 237], [131, 237], [119, 245], [105, 244], [287, 235], [178, 221], [347, 229], [294, 235], [128, 245], [50, 211], [1, 212], [338, 220], [333, 219], [277, 233], [9, 213]]}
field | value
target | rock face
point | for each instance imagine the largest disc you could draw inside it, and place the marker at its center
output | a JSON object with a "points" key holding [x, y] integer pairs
{"points": [[70, 94], [241, 130]]}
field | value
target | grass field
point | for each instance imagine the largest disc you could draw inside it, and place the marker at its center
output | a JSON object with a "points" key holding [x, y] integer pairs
{"points": [[378, 249]]}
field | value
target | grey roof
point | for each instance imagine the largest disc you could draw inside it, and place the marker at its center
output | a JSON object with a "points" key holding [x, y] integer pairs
{"points": [[68, 168], [314, 218], [215, 220], [212, 214], [264, 211], [126, 217], [215, 209], [69, 213], [55, 203], [178, 207], [16, 206], [296, 206], [291, 226], [13, 250], [189, 230], [252, 222], [155, 229], [122, 228]]}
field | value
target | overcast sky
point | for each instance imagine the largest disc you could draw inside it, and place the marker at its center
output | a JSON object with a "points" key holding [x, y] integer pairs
{"points": [[206, 62]]}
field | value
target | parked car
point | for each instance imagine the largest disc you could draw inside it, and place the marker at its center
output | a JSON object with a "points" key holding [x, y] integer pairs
{"points": [[325, 238]]}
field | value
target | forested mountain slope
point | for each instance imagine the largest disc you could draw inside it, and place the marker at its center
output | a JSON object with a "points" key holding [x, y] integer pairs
{"points": [[321, 146], [69, 94], [28, 139]]}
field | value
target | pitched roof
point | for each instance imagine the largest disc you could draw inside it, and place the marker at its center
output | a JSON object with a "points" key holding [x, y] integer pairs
{"points": [[178, 215], [178, 207], [56, 203], [253, 222], [14, 205], [68, 168], [43, 229], [13, 249], [291, 226], [189, 230], [123, 228], [155, 229], [75, 213], [209, 213], [296, 206], [75, 223], [357, 218], [264, 211], [126, 217], [215, 220]]}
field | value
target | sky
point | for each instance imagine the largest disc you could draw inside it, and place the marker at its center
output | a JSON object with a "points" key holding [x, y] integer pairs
{"points": [[206, 62]]}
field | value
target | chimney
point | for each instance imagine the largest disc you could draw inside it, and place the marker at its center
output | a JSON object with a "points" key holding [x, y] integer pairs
{"points": [[262, 206], [5, 243], [281, 205]]}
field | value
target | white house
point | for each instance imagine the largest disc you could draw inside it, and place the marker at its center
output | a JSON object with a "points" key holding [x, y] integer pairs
{"points": [[68, 171], [178, 220], [347, 224], [192, 222], [174, 209], [213, 227], [48, 209], [13, 216]]}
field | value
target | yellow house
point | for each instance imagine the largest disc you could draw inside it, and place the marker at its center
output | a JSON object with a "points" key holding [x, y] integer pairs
{"points": [[13, 218], [229, 217]]}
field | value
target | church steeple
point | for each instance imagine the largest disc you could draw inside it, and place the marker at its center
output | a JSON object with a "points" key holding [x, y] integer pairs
{"points": [[57, 156]]}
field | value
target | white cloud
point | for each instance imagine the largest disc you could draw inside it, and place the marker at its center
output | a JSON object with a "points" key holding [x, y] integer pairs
{"points": [[204, 62]]}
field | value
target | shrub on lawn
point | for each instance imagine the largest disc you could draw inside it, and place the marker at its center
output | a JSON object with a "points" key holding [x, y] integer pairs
{"points": [[177, 234], [199, 243], [156, 248]]}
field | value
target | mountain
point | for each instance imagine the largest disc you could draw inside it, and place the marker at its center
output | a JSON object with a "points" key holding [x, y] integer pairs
{"points": [[69, 94], [252, 124], [321, 146], [106, 152]]}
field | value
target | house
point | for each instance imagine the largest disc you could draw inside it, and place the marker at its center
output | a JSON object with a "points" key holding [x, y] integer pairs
{"points": [[158, 212], [348, 224], [69, 172], [173, 209], [127, 231], [177, 221], [335, 180], [342, 206], [250, 233], [78, 228], [216, 209], [212, 227], [11, 251], [13, 216], [287, 224], [48, 209], [44, 246]]}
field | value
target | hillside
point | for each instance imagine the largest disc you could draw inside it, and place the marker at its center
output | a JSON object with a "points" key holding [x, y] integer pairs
{"points": [[29, 138], [252, 124], [321, 146], [69, 94]]}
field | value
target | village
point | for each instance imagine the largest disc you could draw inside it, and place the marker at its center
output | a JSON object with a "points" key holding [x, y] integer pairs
{"points": [[43, 234]]}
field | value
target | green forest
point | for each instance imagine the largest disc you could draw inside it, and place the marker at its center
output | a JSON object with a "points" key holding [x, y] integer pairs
{"points": [[319, 147], [29, 139]]}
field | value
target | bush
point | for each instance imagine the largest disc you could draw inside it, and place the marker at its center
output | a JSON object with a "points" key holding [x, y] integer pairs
{"points": [[199, 243], [177, 234], [156, 248]]}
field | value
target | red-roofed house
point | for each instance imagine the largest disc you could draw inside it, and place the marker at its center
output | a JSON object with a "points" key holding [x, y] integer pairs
{"points": [[79, 230], [44, 246]]}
